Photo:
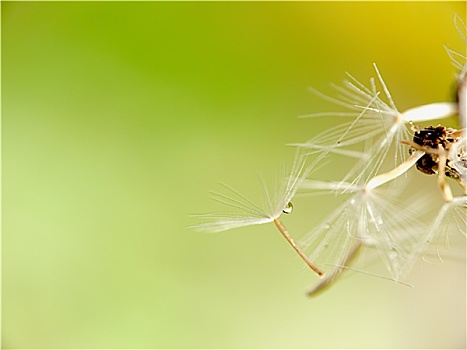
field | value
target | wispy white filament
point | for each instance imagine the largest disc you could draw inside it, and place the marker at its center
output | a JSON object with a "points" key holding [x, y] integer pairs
{"points": [[368, 218], [376, 122], [248, 213]]}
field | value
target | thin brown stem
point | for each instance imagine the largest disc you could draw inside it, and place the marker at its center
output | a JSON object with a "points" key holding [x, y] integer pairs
{"points": [[289, 239]]}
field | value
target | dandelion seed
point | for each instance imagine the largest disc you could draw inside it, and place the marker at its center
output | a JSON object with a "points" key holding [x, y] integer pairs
{"points": [[376, 122], [370, 226], [248, 213], [370, 218]]}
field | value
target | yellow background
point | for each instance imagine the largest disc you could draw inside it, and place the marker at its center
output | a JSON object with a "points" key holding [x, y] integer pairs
{"points": [[119, 118]]}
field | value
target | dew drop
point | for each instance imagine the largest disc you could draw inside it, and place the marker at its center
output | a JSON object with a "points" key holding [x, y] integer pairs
{"points": [[288, 208]]}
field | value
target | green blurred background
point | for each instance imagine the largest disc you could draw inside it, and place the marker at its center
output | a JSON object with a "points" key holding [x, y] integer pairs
{"points": [[119, 118]]}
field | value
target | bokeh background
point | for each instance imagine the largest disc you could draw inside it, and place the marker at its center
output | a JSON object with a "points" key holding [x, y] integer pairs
{"points": [[119, 118]]}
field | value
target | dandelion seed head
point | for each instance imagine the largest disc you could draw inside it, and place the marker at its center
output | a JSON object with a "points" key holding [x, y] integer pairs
{"points": [[377, 129], [372, 219], [375, 216]]}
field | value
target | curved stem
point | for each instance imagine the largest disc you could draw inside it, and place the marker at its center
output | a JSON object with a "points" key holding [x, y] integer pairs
{"points": [[280, 226], [396, 172]]}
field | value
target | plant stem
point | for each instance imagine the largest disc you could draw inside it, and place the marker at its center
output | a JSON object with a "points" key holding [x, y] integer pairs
{"points": [[280, 226]]}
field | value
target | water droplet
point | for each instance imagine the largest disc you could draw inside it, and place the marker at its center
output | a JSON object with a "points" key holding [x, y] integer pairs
{"points": [[288, 208]]}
